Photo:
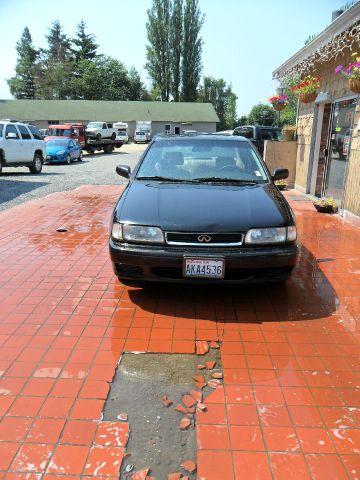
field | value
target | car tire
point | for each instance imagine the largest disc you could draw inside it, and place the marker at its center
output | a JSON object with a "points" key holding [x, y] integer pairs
{"points": [[80, 158], [37, 164], [98, 137], [68, 159], [113, 136]]}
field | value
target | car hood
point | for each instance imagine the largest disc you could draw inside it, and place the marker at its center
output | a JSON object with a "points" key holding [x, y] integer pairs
{"points": [[205, 207]]}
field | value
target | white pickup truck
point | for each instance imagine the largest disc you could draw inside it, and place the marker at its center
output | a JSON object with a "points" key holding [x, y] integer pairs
{"points": [[100, 130]]}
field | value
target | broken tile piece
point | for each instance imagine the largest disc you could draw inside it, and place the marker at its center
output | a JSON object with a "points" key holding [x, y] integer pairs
{"points": [[174, 476], [213, 383], [214, 345], [190, 410], [201, 367], [201, 407], [181, 409], [184, 423], [140, 474], [202, 347], [210, 365], [123, 417], [197, 395], [199, 378], [200, 385], [188, 400], [166, 401], [217, 375], [189, 466]]}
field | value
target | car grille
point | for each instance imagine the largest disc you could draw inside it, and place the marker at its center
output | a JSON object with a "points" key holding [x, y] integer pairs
{"points": [[204, 239]]}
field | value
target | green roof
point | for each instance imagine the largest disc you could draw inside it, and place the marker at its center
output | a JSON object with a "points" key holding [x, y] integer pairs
{"points": [[75, 110]]}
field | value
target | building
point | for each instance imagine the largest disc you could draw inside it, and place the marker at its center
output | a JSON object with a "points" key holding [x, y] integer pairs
{"points": [[171, 117], [328, 130]]}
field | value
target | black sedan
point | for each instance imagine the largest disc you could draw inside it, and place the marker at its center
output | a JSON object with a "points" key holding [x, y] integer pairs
{"points": [[202, 209]]}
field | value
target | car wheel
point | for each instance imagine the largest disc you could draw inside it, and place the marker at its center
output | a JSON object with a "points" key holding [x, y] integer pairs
{"points": [[98, 137], [113, 136], [37, 164], [80, 158], [68, 159]]}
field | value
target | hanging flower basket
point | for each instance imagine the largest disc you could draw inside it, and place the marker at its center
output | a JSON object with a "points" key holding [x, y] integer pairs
{"points": [[352, 73], [307, 97], [354, 84], [279, 102], [278, 106], [307, 89]]}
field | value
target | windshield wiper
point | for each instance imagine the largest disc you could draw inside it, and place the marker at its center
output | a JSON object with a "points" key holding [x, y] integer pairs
{"points": [[160, 179], [227, 180]]}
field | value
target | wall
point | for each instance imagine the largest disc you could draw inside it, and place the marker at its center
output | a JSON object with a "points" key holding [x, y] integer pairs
{"points": [[281, 154], [352, 187]]}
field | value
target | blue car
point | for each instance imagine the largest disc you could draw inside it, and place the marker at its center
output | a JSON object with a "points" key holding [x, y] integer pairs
{"points": [[63, 150]]}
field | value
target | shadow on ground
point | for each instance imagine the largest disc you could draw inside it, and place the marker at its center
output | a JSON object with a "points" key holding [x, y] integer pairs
{"points": [[10, 189]]}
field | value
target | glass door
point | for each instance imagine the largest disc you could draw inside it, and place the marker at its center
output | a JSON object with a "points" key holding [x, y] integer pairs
{"points": [[339, 150]]}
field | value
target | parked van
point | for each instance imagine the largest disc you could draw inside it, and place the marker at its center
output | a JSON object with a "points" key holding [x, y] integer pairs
{"points": [[122, 131]]}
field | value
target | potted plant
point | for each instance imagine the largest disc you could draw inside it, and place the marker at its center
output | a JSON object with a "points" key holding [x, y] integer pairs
{"points": [[288, 132], [352, 73], [307, 89], [279, 102], [326, 205], [281, 184]]}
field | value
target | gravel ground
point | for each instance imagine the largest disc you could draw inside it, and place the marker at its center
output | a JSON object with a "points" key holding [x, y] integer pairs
{"points": [[18, 185]]}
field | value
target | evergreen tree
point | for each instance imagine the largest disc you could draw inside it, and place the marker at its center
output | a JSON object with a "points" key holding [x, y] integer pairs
{"points": [[192, 49], [59, 44], [158, 51], [176, 45], [23, 84], [85, 46], [223, 99]]}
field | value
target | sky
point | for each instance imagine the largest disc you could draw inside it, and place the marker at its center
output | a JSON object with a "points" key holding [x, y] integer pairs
{"points": [[244, 41]]}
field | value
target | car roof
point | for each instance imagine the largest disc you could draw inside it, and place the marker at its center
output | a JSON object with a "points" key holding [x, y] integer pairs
{"points": [[202, 137]]}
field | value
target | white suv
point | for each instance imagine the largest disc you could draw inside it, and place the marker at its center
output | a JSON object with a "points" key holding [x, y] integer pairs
{"points": [[21, 145]]}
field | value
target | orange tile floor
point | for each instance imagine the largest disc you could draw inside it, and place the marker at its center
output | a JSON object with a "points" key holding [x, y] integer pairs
{"points": [[289, 406]]}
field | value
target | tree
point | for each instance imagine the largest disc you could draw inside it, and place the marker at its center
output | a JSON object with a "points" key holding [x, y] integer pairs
{"points": [[85, 46], [222, 98], [192, 50], [176, 47], [59, 44], [136, 89], [158, 62], [23, 84], [243, 120], [262, 114]]}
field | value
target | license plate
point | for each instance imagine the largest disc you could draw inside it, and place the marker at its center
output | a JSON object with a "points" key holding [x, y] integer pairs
{"points": [[204, 267]]}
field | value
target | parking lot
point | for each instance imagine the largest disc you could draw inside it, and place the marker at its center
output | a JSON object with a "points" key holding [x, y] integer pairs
{"points": [[287, 406], [18, 185]]}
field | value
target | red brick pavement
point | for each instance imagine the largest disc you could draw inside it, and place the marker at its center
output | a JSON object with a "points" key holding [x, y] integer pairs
{"points": [[289, 406]]}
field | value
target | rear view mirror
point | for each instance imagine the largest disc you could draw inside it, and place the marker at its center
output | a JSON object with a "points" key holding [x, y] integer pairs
{"points": [[123, 171], [280, 174]]}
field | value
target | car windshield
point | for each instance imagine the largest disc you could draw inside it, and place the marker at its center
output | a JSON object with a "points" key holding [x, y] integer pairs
{"points": [[203, 160], [57, 143], [139, 133], [121, 133], [95, 125], [59, 132]]}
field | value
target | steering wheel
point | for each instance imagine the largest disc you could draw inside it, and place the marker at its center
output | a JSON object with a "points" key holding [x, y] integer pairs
{"points": [[230, 169]]}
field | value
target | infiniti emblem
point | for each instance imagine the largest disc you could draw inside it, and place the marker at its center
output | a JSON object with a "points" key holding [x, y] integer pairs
{"points": [[204, 238]]}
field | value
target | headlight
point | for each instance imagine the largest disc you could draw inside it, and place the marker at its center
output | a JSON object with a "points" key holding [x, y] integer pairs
{"points": [[268, 235], [291, 234], [116, 231], [139, 233], [61, 152]]}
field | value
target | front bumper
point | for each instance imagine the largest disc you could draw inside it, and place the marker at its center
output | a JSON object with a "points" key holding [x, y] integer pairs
{"points": [[165, 263], [55, 158]]}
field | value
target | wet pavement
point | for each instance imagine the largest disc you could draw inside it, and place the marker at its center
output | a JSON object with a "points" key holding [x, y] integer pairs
{"points": [[288, 406]]}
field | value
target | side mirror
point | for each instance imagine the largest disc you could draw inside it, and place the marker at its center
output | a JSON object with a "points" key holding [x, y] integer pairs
{"points": [[11, 135], [123, 171], [280, 174]]}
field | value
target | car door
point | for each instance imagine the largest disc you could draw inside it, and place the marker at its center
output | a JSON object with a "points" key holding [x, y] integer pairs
{"points": [[28, 143], [13, 144]]}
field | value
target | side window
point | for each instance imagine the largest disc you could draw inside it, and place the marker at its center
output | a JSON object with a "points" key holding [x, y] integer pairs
{"points": [[266, 134], [24, 132], [11, 129], [35, 132], [167, 129], [104, 126]]}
